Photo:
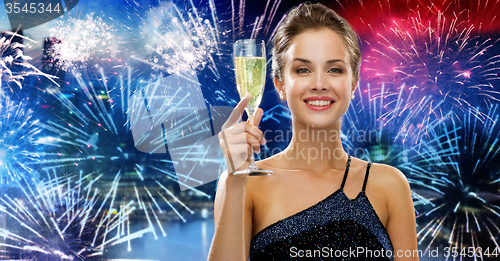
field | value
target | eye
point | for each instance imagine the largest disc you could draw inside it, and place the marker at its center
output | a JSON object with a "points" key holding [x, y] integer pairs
{"points": [[302, 70], [335, 70]]}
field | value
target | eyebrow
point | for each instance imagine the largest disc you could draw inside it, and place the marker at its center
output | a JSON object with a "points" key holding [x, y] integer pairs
{"points": [[327, 62]]}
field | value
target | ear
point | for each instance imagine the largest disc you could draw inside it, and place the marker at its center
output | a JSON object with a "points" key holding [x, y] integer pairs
{"points": [[355, 85], [278, 84]]}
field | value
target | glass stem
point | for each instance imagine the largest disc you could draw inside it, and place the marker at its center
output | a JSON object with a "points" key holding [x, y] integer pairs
{"points": [[251, 154], [252, 160]]}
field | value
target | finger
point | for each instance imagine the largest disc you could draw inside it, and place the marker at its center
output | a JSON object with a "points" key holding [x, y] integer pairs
{"points": [[236, 139], [256, 149], [244, 102], [238, 152], [236, 156], [235, 129], [237, 112], [240, 140], [250, 139], [258, 116], [254, 131], [234, 134], [245, 127], [226, 139]]}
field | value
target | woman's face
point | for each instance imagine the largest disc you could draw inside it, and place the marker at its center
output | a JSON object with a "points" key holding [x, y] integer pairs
{"points": [[317, 78]]}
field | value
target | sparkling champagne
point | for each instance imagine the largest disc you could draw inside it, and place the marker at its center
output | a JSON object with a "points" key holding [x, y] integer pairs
{"points": [[251, 77], [250, 68]]}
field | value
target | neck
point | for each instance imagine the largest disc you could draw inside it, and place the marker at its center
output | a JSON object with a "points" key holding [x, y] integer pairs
{"points": [[316, 149]]}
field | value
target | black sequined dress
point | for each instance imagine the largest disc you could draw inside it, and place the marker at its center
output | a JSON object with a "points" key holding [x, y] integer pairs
{"points": [[336, 228]]}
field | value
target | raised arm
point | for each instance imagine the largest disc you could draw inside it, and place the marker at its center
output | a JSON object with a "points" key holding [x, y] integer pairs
{"points": [[233, 208], [233, 220]]}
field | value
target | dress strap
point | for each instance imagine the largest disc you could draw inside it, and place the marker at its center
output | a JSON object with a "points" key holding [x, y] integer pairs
{"points": [[346, 172], [366, 175]]}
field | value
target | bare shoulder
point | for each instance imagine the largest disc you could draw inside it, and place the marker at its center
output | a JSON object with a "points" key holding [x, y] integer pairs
{"points": [[388, 173], [401, 221], [389, 176], [392, 180]]}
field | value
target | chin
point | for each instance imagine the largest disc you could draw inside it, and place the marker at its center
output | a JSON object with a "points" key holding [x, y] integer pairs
{"points": [[315, 120], [322, 125], [318, 124]]}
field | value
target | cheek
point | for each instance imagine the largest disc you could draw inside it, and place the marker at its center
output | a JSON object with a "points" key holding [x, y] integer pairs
{"points": [[345, 87], [295, 87], [345, 91]]}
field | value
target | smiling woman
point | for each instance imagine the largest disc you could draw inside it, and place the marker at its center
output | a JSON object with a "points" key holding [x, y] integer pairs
{"points": [[319, 202], [310, 80]]}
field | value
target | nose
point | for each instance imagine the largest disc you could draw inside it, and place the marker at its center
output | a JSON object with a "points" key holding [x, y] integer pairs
{"points": [[319, 82]]}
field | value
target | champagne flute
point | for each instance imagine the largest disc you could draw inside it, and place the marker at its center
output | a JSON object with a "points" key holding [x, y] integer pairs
{"points": [[250, 69]]}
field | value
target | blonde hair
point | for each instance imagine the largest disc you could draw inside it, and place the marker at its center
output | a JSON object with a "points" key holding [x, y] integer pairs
{"points": [[313, 17]]}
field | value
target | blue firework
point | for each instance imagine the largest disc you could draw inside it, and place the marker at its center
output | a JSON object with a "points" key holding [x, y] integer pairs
{"points": [[14, 65], [63, 217], [455, 180], [28, 145]]}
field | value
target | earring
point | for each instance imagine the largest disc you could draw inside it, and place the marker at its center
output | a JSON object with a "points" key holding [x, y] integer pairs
{"points": [[282, 97], [352, 97]]}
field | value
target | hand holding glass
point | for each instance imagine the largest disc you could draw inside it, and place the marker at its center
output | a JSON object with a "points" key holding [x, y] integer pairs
{"points": [[250, 69]]}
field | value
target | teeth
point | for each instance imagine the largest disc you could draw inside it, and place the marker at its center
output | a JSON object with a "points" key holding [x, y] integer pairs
{"points": [[319, 103]]}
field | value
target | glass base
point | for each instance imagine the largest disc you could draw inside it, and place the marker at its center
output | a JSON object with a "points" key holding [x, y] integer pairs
{"points": [[255, 171]]}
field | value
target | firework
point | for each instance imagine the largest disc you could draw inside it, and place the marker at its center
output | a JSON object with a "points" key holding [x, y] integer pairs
{"points": [[19, 135], [126, 120], [435, 68], [28, 143], [66, 217], [184, 38], [14, 66], [189, 46], [451, 170], [364, 15], [368, 134], [454, 176], [426, 60], [179, 42], [74, 43], [123, 124]]}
